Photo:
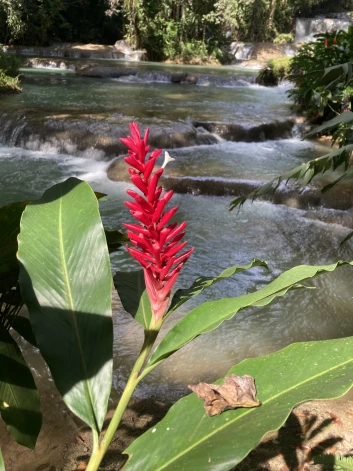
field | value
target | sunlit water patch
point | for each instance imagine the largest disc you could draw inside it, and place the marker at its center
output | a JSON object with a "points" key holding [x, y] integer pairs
{"points": [[284, 237]]}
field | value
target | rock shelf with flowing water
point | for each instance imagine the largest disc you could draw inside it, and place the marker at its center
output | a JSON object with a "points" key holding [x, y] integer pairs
{"points": [[225, 141]]}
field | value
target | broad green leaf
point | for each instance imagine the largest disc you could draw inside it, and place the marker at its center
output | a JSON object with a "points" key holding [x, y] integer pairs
{"points": [[10, 217], [23, 327], [210, 315], [66, 283], [334, 74], [2, 464], [304, 173], [342, 462], [19, 398], [187, 438], [347, 175], [115, 240], [336, 461], [182, 295], [345, 117], [133, 296]]}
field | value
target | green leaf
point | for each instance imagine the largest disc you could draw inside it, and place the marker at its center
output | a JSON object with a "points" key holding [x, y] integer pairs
{"points": [[23, 327], [344, 462], [115, 240], [2, 464], [345, 117], [347, 175], [210, 315], [19, 398], [346, 239], [332, 74], [10, 217], [203, 282], [133, 296], [66, 283], [304, 172], [187, 438]]}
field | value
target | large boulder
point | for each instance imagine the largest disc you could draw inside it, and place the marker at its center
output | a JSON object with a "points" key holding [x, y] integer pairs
{"points": [[103, 71]]}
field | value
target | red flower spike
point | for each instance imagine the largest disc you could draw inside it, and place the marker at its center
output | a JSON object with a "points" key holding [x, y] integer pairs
{"points": [[156, 243]]}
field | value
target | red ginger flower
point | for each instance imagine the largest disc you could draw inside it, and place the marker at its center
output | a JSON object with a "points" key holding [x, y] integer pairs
{"points": [[325, 42], [157, 242]]}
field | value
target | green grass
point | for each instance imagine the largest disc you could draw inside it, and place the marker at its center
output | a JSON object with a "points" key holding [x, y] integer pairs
{"points": [[8, 84]]}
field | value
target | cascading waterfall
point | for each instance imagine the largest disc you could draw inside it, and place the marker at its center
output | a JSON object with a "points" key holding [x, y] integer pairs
{"points": [[306, 28], [224, 133]]}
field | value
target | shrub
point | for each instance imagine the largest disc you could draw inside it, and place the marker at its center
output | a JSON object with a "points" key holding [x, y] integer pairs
{"points": [[9, 64], [275, 71], [9, 84], [329, 97], [284, 38]]}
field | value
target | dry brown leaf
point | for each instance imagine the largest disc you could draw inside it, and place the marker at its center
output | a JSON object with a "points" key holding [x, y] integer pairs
{"points": [[82, 466], [306, 427], [236, 391], [336, 419]]}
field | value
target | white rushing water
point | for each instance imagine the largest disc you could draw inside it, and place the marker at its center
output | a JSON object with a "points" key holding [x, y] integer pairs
{"points": [[281, 235]]}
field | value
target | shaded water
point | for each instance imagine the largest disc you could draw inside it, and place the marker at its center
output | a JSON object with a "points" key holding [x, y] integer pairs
{"points": [[283, 236], [63, 92]]}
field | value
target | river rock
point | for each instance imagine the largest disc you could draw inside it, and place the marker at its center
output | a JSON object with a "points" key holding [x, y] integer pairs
{"points": [[181, 77], [91, 135], [338, 198], [102, 71], [266, 51], [78, 51], [177, 77], [260, 133]]}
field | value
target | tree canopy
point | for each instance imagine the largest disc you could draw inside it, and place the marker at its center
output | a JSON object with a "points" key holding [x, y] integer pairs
{"points": [[167, 28]]}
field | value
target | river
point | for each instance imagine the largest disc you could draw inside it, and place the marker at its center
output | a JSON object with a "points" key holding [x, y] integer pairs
{"points": [[64, 125]]}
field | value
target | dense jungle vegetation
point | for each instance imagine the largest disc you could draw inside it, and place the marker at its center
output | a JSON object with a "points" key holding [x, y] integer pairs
{"points": [[166, 29]]}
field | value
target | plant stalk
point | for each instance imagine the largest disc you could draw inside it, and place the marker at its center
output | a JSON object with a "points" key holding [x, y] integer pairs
{"points": [[134, 379]]}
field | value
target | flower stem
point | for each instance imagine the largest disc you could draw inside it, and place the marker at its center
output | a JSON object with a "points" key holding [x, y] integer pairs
{"points": [[95, 439], [134, 379]]}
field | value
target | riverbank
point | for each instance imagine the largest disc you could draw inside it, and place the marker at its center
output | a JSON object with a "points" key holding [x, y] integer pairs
{"points": [[241, 54], [9, 85], [64, 444]]}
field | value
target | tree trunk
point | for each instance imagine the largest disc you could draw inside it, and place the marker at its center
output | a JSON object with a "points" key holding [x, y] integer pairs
{"points": [[272, 14]]}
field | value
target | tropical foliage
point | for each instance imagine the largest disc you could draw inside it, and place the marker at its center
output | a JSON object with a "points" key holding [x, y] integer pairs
{"points": [[322, 73], [166, 29], [274, 72], [65, 280], [9, 71]]}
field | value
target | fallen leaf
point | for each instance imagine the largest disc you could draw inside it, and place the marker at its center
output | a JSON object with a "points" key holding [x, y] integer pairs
{"points": [[82, 466], [236, 391], [331, 451], [350, 414], [336, 419]]}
